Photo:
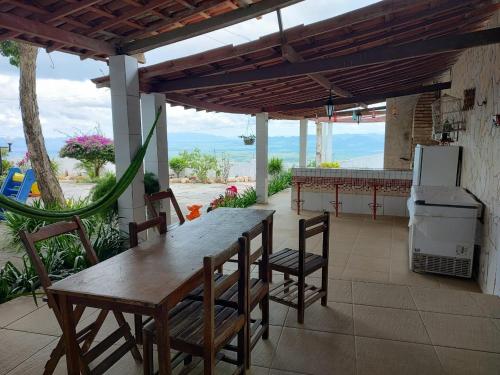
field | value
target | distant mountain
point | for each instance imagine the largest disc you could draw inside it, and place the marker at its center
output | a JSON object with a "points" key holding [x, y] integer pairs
{"points": [[345, 146]]}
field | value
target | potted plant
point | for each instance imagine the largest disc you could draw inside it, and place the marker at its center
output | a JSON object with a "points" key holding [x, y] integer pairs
{"points": [[248, 139]]}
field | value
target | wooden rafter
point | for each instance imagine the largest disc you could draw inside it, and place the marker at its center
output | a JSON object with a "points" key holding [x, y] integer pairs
{"points": [[365, 58], [211, 24], [35, 28]]}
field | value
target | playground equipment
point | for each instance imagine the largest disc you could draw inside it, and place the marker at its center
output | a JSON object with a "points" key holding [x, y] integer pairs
{"points": [[18, 186]]}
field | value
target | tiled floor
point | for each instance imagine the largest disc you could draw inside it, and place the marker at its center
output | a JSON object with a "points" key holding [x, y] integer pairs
{"points": [[380, 319]]}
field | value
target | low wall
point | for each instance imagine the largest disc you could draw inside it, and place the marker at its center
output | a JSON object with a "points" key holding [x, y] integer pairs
{"points": [[358, 190]]}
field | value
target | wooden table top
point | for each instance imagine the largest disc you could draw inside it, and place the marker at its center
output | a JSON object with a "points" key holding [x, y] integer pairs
{"points": [[152, 272]]}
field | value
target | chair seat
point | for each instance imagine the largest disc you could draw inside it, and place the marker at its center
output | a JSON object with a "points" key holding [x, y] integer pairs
{"points": [[187, 328], [287, 260], [230, 297]]}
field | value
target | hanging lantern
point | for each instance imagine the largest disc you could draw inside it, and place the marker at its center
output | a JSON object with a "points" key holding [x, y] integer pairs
{"points": [[329, 108], [356, 115]]}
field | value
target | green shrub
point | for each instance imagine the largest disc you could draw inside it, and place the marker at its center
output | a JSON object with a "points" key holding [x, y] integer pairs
{"points": [[330, 164], [242, 200], [311, 164], [275, 166], [200, 163], [62, 255], [151, 183], [280, 182], [223, 168], [178, 164], [102, 186]]}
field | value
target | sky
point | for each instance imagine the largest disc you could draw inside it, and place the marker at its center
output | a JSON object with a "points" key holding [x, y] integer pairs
{"points": [[69, 103]]}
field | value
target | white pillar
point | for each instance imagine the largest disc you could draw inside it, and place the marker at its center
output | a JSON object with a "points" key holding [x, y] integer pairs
{"points": [[156, 159], [125, 108], [319, 143], [324, 149], [303, 143], [261, 120], [329, 141]]}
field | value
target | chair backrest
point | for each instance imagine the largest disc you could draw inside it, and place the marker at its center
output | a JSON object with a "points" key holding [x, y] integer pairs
{"points": [[167, 194], [213, 290], [159, 222], [312, 227], [50, 231], [262, 251]]}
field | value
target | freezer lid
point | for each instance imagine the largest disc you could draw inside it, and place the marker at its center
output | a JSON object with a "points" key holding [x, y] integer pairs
{"points": [[444, 198]]}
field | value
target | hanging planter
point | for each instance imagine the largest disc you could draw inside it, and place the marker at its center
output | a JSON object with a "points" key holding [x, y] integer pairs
{"points": [[248, 140]]}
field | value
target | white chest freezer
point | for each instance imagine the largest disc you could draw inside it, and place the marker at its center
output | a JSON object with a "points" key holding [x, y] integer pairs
{"points": [[442, 229]]}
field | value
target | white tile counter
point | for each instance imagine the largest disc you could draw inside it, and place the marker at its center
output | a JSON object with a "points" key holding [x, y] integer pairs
{"points": [[358, 190]]}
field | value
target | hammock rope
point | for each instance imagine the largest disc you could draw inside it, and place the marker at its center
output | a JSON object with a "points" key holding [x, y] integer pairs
{"points": [[99, 205]]}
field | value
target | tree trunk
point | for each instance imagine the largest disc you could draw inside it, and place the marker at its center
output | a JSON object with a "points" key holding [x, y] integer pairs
{"points": [[50, 189]]}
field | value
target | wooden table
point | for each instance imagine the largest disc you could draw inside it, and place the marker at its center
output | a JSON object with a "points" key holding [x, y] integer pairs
{"points": [[153, 277]]}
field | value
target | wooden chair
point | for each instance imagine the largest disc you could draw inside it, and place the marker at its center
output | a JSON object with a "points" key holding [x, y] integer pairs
{"points": [[156, 197], [159, 222], [296, 293], [87, 334], [258, 289], [203, 328]]}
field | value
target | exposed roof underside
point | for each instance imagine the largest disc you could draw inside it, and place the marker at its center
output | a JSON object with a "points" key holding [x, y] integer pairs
{"points": [[358, 34], [101, 28]]}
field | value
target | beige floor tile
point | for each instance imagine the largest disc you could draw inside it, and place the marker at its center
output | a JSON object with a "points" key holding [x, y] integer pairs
{"points": [[368, 263], [338, 259], [335, 317], [277, 313], [16, 309], [468, 362], [280, 372], [338, 290], [363, 275], [16, 347], [263, 353], [389, 323], [414, 279], [460, 331], [445, 301], [455, 283], [314, 352], [368, 250], [36, 363], [41, 321], [382, 357], [399, 263], [490, 304], [385, 295]]}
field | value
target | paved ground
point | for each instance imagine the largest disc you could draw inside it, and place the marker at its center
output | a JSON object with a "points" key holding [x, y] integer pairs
{"points": [[381, 318], [186, 194]]}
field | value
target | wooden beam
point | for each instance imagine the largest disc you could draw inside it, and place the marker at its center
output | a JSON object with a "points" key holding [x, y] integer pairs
{"points": [[68, 9], [207, 106], [54, 34], [369, 57], [211, 24], [292, 56], [361, 98]]}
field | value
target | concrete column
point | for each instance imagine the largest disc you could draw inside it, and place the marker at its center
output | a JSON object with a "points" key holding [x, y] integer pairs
{"points": [[329, 141], [324, 149], [125, 108], [319, 143], [156, 159], [261, 179], [303, 143]]}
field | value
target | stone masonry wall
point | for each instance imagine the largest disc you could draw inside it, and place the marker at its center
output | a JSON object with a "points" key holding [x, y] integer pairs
{"points": [[479, 68], [398, 132]]}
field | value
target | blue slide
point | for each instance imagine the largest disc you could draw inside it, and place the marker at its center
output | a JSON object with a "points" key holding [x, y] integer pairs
{"points": [[18, 191]]}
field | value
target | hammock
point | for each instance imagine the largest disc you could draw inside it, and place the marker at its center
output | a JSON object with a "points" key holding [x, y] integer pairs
{"points": [[99, 205]]}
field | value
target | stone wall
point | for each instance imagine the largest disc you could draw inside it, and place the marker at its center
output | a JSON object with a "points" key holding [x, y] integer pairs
{"points": [[422, 120], [398, 132], [479, 68]]}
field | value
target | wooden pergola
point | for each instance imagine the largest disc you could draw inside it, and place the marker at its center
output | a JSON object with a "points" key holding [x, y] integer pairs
{"points": [[388, 49], [102, 28]]}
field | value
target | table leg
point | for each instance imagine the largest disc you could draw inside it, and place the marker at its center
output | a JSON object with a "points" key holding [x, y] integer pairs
{"points": [[163, 342], [69, 333]]}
